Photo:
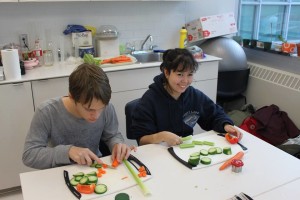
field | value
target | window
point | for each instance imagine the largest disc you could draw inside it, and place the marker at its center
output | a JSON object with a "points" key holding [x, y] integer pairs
{"points": [[265, 20]]}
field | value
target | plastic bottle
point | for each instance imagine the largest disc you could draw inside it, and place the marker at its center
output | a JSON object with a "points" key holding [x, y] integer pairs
{"points": [[38, 52], [183, 38]]}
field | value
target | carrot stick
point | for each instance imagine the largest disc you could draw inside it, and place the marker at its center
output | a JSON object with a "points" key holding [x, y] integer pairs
{"points": [[227, 163], [115, 163]]}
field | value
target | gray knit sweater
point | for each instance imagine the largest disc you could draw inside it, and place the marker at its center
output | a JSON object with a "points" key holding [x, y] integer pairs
{"points": [[54, 130]]}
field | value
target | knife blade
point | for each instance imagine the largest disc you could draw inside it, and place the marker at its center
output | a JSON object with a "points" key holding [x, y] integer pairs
{"points": [[242, 146], [71, 188]]}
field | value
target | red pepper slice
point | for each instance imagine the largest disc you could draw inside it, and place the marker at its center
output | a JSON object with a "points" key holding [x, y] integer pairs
{"points": [[85, 189], [231, 139]]}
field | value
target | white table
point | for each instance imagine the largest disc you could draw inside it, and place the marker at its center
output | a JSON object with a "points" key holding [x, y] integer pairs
{"points": [[269, 173]]}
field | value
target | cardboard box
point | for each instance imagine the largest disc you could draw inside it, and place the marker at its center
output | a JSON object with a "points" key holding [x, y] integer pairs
{"points": [[211, 26]]}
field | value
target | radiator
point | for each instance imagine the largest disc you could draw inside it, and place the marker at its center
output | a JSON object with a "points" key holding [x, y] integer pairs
{"points": [[268, 86]]}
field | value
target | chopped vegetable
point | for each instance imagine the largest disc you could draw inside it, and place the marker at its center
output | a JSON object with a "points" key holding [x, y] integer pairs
{"points": [[212, 151], [227, 163], [92, 179], [231, 139], [205, 160], [73, 181], [219, 150], [142, 172], [227, 150], [124, 177], [137, 179], [208, 143], [115, 163], [194, 160], [183, 146], [85, 189], [122, 196], [118, 59], [187, 138], [93, 173], [203, 152], [78, 174], [100, 189], [84, 180], [196, 142]]}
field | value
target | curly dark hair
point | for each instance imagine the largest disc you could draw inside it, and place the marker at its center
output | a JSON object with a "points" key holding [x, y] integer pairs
{"points": [[178, 60], [87, 82]]}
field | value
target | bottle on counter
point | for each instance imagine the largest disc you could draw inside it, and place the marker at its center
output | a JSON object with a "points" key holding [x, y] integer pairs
{"points": [[183, 38], [37, 52], [48, 55]]}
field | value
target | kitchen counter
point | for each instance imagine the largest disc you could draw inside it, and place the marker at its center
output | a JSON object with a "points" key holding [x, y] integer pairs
{"points": [[64, 70], [267, 172]]}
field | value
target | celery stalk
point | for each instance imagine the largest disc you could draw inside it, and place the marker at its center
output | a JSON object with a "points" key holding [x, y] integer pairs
{"points": [[137, 179]]}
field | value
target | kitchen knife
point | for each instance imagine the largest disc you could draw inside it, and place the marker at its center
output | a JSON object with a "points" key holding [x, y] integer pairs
{"points": [[242, 146], [71, 188]]}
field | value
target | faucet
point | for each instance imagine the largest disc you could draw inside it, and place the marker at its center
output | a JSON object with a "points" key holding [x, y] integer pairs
{"points": [[147, 38]]}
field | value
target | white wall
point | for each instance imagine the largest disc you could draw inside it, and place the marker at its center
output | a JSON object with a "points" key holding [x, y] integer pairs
{"points": [[135, 20]]}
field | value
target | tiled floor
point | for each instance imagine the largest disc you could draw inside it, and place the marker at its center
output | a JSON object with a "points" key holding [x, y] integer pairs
{"points": [[16, 195]]}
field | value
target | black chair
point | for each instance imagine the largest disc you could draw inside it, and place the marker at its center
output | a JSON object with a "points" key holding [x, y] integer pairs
{"points": [[104, 149], [129, 108], [231, 85]]}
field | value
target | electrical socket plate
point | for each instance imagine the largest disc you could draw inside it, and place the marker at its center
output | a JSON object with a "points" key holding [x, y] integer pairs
{"points": [[24, 38]]}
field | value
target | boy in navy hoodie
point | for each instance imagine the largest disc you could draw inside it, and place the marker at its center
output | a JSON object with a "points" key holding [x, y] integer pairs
{"points": [[171, 107]]}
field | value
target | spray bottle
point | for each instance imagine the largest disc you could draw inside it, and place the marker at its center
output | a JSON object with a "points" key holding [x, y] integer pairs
{"points": [[183, 38]]}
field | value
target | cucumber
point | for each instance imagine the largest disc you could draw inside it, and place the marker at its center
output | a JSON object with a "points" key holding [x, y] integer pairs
{"points": [[196, 142], [100, 189], [74, 182], [227, 150], [219, 150], [122, 196], [78, 178], [92, 179], [93, 173], [84, 180], [195, 154], [212, 151], [203, 152], [189, 145], [208, 143], [205, 160], [194, 160], [187, 138], [98, 166], [93, 165], [78, 174]]}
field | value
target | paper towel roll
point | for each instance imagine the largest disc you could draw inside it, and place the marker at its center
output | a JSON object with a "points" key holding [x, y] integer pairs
{"points": [[11, 64]]}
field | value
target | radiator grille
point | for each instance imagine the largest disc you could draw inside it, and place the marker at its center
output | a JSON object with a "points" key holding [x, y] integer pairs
{"points": [[275, 76]]}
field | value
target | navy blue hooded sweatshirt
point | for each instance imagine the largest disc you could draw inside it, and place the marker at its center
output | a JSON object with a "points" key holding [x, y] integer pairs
{"points": [[158, 111]]}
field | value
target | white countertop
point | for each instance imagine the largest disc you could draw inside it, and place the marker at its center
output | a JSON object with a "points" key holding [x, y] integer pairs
{"points": [[63, 70], [267, 172]]}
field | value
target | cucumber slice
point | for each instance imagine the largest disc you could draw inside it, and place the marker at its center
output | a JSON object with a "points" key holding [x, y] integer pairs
{"points": [[205, 160], [78, 178], [189, 145], [74, 182], [212, 151], [92, 179], [78, 174], [93, 165], [100, 188], [203, 152], [194, 161], [93, 173], [122, 196], [227, 150], [219, 150], [195, 154], [84, 180], [98, 165]]}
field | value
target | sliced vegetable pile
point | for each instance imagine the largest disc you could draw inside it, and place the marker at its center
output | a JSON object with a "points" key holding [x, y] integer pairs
{"points": [[116, 60]]}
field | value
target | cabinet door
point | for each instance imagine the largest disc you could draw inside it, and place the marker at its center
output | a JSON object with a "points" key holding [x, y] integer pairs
{"points": [[49, 88], [16, 112]]}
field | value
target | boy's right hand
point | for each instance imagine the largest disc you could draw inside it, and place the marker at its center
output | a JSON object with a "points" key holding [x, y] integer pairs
{"points": [[83, 156]]}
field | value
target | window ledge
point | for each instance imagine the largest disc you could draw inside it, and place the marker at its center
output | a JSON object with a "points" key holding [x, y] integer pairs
{"points": [[277, 61]]}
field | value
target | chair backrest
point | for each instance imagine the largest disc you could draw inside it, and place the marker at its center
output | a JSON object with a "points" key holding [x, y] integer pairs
{"points": [[129, 108], [232, 83]]}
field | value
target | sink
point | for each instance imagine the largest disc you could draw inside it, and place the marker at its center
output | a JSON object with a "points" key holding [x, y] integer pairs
{"points": [[147, 56]]}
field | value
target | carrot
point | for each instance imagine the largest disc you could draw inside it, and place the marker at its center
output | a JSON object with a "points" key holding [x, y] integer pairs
{"points": [[85, 189], [142, 172], [118, 59], [227, 163], [115, 163]]}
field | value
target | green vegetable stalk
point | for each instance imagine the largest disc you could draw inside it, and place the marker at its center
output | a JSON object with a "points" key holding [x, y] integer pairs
{"points": [[137, 179], [89, 59]]}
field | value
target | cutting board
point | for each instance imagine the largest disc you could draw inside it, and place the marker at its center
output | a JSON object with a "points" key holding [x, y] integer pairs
{"points": [[114, 179], [182, 155]]}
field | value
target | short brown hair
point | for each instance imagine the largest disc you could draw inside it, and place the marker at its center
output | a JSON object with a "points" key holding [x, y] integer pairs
{"points": [[87, 82]]}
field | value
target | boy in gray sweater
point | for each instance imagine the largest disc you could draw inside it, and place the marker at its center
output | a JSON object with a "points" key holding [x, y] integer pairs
{"points": [[66, 130]]}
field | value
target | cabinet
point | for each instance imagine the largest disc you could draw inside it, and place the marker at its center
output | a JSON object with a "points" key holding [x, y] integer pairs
{"points": [[16, 111], [45, 89]]}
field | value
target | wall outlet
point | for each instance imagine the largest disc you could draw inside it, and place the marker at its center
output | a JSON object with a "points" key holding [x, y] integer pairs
{"points": [[24, 41]]}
